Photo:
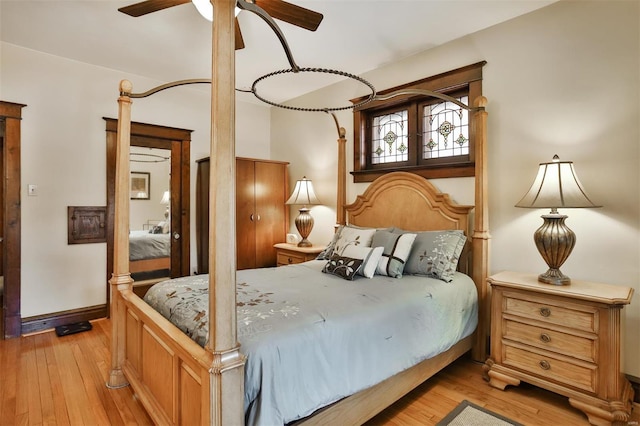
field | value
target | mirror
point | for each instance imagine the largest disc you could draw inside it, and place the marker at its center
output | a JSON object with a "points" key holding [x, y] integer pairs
{"points": [[146, 209], [149, 215]]}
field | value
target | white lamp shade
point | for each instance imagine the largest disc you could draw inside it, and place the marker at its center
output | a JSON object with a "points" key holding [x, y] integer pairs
{"points": [[303, 194], [556, 186], [165, 198]]}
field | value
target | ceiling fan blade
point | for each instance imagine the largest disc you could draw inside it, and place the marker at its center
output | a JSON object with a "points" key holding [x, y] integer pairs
{"points": [[149, 6], [289, 12], [239, 39]]}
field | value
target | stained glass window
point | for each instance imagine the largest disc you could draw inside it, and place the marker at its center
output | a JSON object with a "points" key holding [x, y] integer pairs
{"points": [[445, 130], [389, 136], [417, 131]]}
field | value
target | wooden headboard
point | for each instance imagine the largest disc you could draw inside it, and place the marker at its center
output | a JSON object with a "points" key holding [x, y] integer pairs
{"points": [[407, 201], [410, 202]]}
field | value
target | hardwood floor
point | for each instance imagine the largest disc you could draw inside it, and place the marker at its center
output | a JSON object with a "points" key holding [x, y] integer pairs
{"points": [[51, 380], [525, 404]]}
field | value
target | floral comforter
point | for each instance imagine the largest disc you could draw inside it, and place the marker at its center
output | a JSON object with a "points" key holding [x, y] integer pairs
{"points": [[313, 338]]}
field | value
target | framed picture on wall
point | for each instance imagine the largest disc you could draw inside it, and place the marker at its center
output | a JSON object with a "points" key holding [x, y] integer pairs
{"points": [[140, 184]]}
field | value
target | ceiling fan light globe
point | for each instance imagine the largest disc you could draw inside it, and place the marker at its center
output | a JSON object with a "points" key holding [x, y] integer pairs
{"points": [[205, 8]]}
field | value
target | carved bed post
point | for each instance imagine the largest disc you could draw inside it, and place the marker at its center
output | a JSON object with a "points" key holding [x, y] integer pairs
{"points": [[120, 279], [481, 236], [341, 201], [227, 369]]}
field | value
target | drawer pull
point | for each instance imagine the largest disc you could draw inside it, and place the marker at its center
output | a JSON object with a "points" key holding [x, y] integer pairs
{"points": [[545, 312], [544, 365], [545, 337], [290, 260]]}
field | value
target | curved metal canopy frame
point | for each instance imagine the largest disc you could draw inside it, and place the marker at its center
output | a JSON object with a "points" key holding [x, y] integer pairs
{"points": [[373, 96]]}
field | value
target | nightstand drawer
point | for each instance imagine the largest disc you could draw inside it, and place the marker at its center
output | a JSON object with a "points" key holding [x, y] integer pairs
{"points": [[545, 365], [565, 339], [289, 258], [566, 344], [585, 319], [290, 254]]}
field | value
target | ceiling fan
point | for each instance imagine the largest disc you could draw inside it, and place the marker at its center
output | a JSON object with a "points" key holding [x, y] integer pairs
{"points": [[277, 9]]}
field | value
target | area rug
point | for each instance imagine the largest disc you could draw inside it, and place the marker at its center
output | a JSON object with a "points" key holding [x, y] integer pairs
{"points": [[467, 414]]}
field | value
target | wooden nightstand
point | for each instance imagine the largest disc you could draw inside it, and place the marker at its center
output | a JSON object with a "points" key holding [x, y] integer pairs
{"points": [[565, 339], [288, 254]]}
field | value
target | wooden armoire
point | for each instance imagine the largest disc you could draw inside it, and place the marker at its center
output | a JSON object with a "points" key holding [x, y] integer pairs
{"points": [[262, 218]]}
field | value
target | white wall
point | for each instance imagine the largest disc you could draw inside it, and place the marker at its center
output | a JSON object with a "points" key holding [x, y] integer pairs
{"points": [[561, 80], [63, 152]]}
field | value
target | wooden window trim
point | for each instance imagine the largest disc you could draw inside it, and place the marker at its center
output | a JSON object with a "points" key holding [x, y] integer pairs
{"points": [[466, 78]]}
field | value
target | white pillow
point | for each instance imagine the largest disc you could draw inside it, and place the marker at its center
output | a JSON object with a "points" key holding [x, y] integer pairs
{"points": [[164, 226], [396, 251], [369, 256], [350, 236]]}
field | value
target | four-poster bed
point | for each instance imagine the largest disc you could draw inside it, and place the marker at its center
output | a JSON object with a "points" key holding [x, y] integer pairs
{"points": [[180, 382]]}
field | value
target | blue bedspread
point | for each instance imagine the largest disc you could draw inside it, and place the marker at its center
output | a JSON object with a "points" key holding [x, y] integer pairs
{"points": [[312, 338]]}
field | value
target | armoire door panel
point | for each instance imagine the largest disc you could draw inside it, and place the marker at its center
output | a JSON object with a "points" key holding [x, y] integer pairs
{"points": [[270, 195], [262, 217], [245, 215]]}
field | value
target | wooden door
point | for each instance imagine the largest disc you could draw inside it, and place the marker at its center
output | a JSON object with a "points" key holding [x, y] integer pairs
{"points": [[246, 217], [202, 215], [1, 209], [270, 193], [10, 119]]}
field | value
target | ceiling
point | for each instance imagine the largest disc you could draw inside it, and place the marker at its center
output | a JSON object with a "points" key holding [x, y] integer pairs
{"points": [[355, 36]]}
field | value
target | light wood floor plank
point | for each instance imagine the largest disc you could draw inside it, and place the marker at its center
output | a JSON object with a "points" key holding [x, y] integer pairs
{"points": [[57, 392], [61, 380], [93, 389], [9, 358], [28, 397], [47, 402], [76, 399]]}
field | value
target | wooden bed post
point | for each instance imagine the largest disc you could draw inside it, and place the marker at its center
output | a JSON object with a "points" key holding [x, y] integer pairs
{"points": [[227, 369], [481, 236], [341, 201], [120, 279]]}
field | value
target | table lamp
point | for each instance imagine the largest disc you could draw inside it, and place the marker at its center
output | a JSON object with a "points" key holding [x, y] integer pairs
{"points": [[555, 186], [304, 195], [166, 197]]}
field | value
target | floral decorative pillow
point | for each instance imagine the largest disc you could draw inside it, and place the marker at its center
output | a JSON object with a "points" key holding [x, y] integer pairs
{"points": [[436, 254], [344, 267], [397, 248], [160, 228], [328, 250], [352, 236], [370, 257]]}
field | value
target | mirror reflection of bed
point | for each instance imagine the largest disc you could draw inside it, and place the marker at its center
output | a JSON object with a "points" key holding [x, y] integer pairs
{"points": [[149, 218]]}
